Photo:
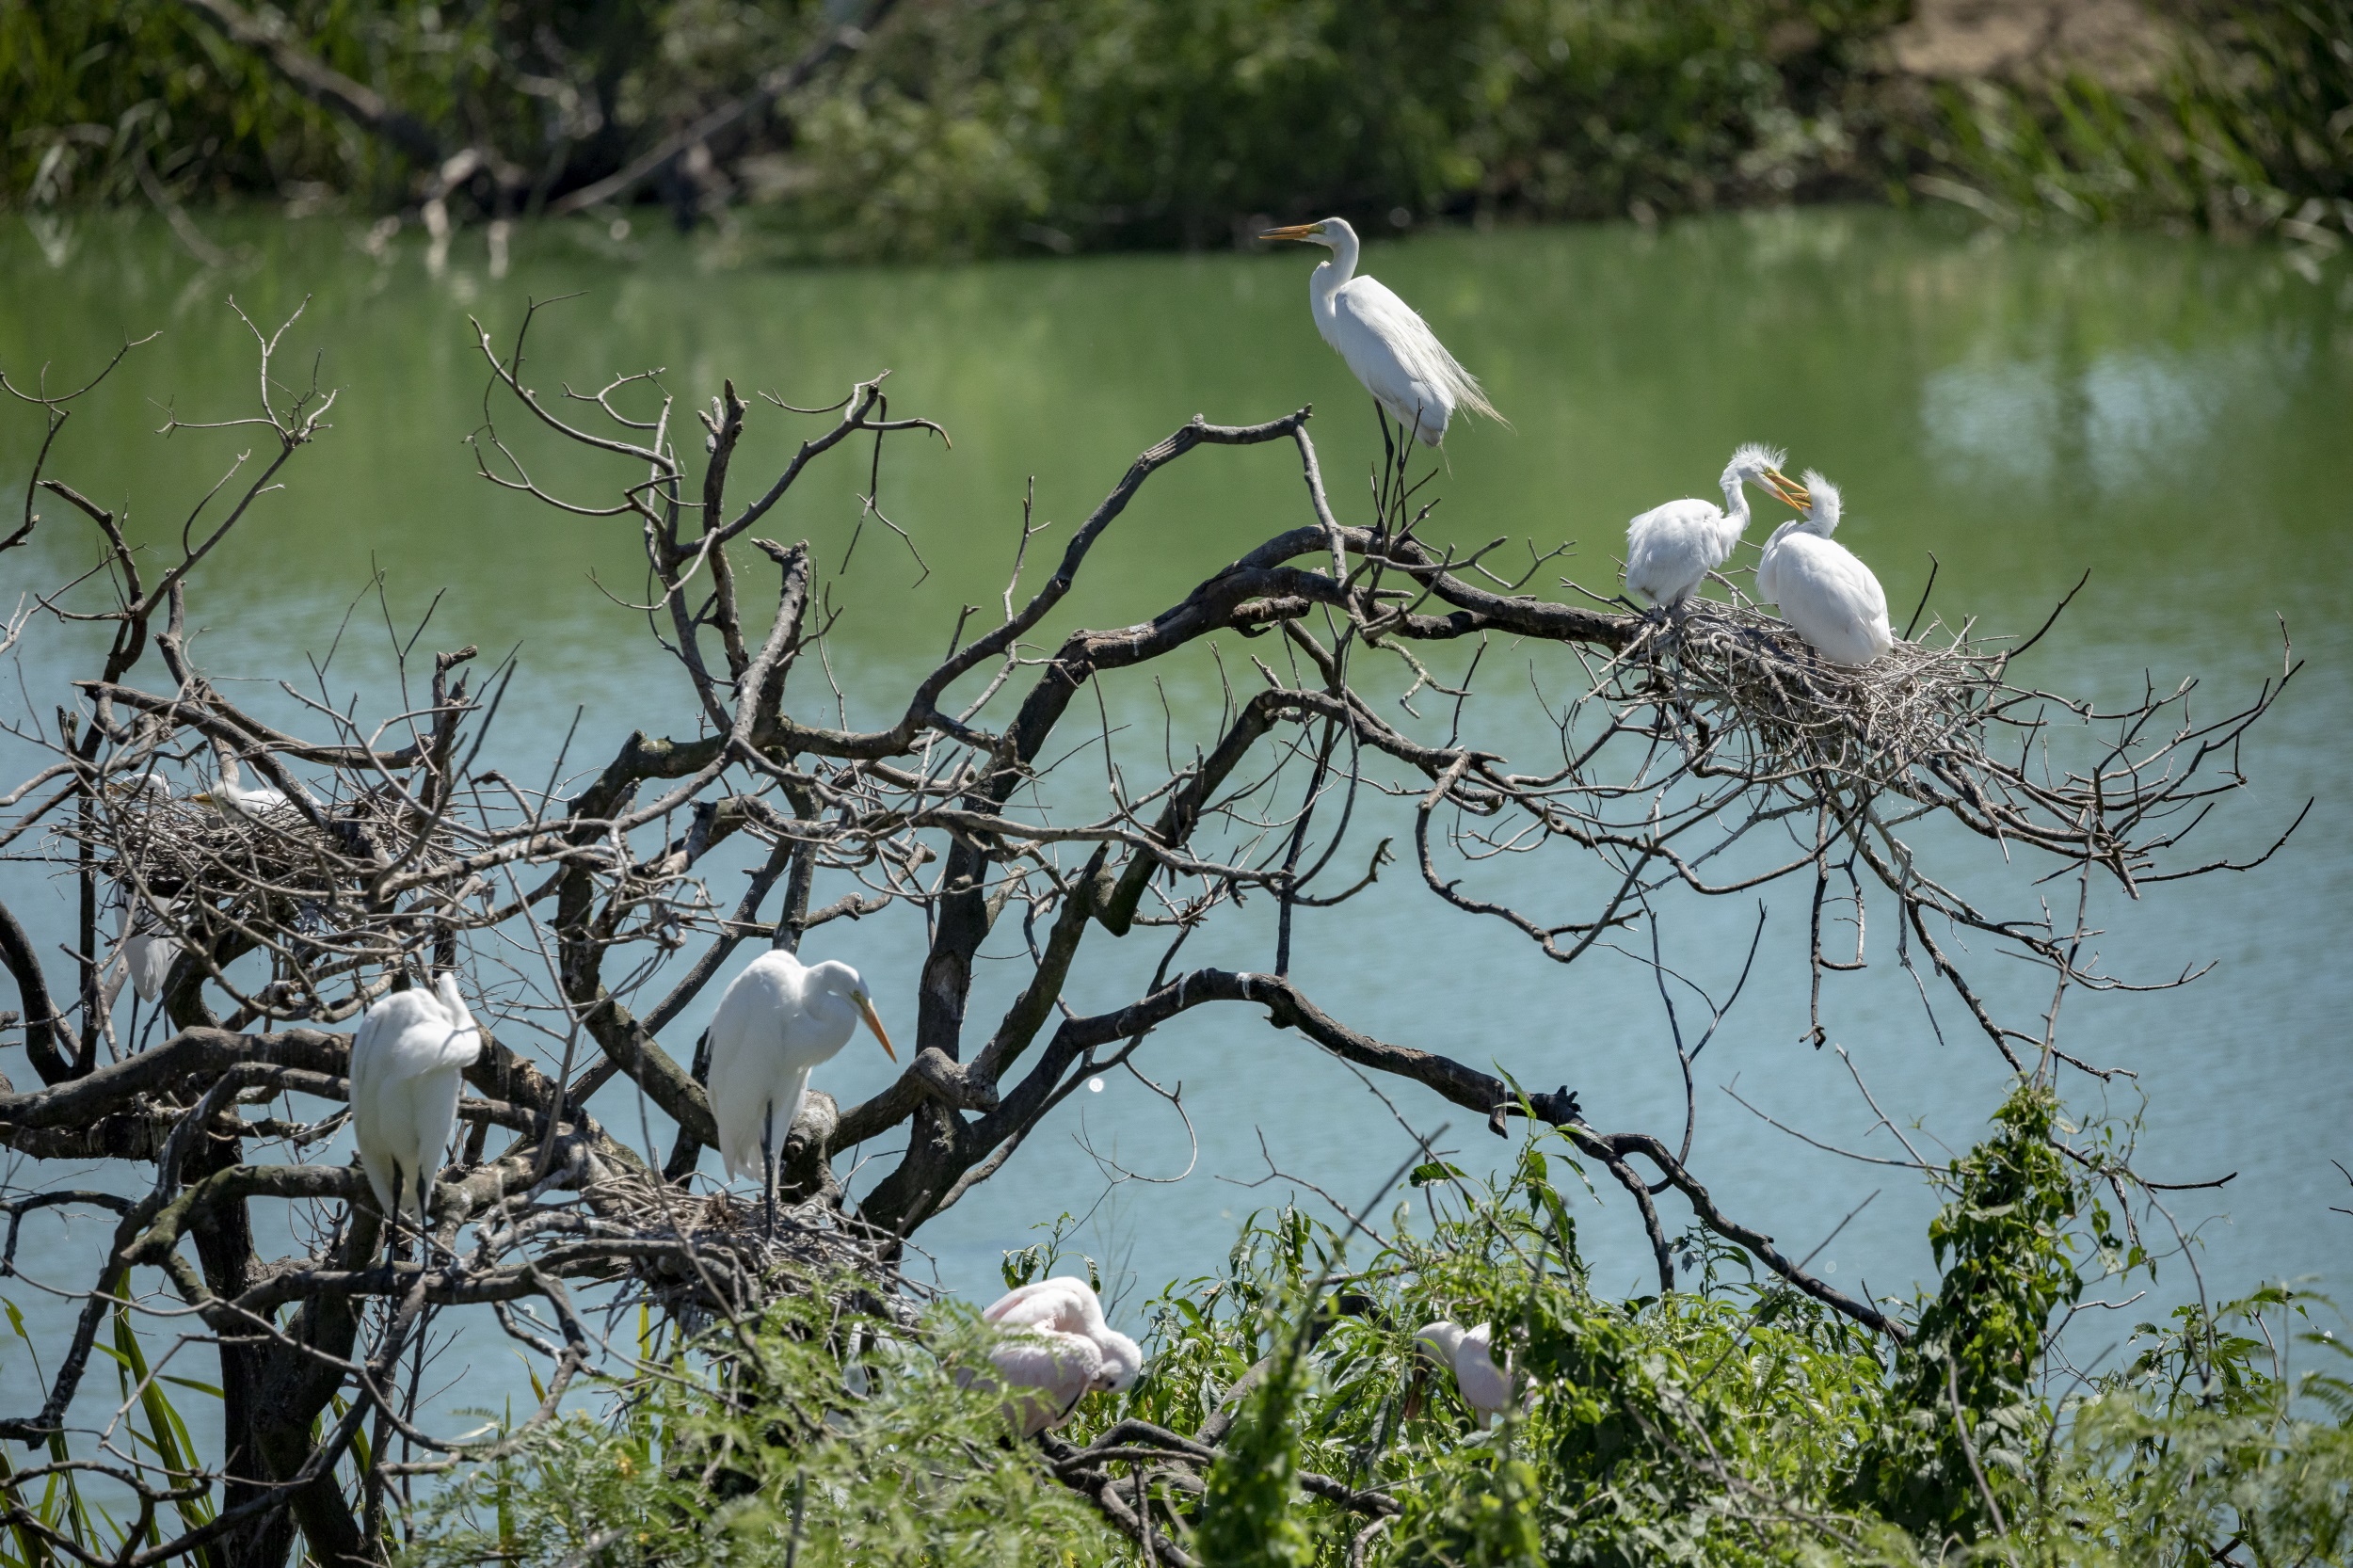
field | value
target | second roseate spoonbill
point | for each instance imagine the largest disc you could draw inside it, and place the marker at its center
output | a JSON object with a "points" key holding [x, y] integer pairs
{"points": [[779, 1018], [406, 1062], [1058, 1344], [1391, 349], [1468, 1354], [1669, 550], [1824, 590]]}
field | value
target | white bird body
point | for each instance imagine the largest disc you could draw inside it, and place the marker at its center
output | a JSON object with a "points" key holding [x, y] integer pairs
{"points": [[1669, 550], [145, 947], [1390, 348], [1824, 590], [146, 952], [226, 796], [1469, 1354], [405, 1062], [779, 1019], [1058, 1343]]}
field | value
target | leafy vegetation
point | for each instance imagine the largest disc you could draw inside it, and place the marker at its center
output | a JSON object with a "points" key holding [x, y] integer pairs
{"points": [[965, 128], [1730, 1422]]}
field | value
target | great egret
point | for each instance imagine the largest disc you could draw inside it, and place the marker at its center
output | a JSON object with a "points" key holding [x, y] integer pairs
{"points": [[1833, 601], [1669, 550], [405, 1066], [779, 1019], [145, 947], [1468, 1352], [1391, 349], [226, 796], [1058, 1342]]}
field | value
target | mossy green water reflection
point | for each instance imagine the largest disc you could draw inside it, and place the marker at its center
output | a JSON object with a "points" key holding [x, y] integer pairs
{"points": [[2169, 414]]}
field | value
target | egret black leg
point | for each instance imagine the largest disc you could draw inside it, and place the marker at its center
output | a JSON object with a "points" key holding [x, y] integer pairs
{"points": [[768, 1162]]}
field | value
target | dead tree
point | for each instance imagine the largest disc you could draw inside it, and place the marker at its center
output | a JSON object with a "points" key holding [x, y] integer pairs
{"points": [[1701, 755]]}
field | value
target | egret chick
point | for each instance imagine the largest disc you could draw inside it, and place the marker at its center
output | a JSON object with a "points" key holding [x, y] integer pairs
{"points": [[1058, 1343], [405, 1061], [1669, 550], [1468, 1354], [779, 1018], [1829, 595], [227, 797], [1391, 349]]}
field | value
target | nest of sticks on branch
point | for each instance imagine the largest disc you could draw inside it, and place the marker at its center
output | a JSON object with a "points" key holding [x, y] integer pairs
{"points": [[185, 854], [1934, 720], [702, 1260]]}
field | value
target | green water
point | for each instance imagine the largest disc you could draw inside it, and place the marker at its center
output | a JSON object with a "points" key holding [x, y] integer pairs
{"points": [[2175, 416]]}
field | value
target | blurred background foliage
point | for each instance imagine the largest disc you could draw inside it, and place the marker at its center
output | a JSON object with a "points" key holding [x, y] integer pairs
{"points": [[965, 127]]}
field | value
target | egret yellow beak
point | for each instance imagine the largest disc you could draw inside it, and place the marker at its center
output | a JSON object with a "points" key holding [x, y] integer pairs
{"points": [[1292, 231], [1789, 490], [205, 797], [866, 1011]]}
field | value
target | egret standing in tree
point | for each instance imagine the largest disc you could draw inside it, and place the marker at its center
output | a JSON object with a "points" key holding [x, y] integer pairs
{"points": [[146, 947], [1059, 1343], [779, 1019], [1833, 601], [1391, 349], [1669, 550], [405, 1066], [1468, 1352]]}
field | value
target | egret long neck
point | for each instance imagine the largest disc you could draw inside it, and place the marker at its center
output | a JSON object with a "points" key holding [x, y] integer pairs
{"points": [[1735, 505], [1328, 276]]}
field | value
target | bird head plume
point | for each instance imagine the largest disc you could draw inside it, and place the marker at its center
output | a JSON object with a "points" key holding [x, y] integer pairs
{"points": [[1822, 513], [1753, 460]]}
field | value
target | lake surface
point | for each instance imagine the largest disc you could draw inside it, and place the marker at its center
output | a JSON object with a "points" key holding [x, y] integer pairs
{"points": [[2174, 415]]}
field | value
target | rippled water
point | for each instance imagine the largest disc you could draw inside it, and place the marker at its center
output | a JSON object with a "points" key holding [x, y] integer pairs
{"points": [[2175, 416]]}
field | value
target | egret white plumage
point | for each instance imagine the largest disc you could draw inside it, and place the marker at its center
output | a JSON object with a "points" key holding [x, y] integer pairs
{"points": [[1829, 595], [779, 1018], [1468, 1352], [228, 795], [1669, 550], [1059, 1343], [1391, 349], [145, 948], [406, 1062]]}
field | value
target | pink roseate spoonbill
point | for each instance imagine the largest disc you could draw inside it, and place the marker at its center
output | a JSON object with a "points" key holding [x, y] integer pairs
{"points": [[1824, 591], [1057, 1343], [406, 1062], [779, 1019], [1670, 549], [1392, 350]]}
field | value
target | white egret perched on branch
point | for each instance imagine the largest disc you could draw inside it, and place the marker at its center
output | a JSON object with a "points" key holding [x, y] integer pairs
{"points": [[405, 1061], [1833, 601], [1669, 550], [1059, 1343], [145, 945], [1469, 1354], [779, 1019], [1391, 349]]}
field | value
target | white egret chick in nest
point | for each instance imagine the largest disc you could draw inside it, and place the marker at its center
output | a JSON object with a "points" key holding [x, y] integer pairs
{"points": [[779, 1019], [227, 796], [1058, 1343], [1468, 1352], [1824, 592], [406, 1062], [1670, 549], [1392, 350]]}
